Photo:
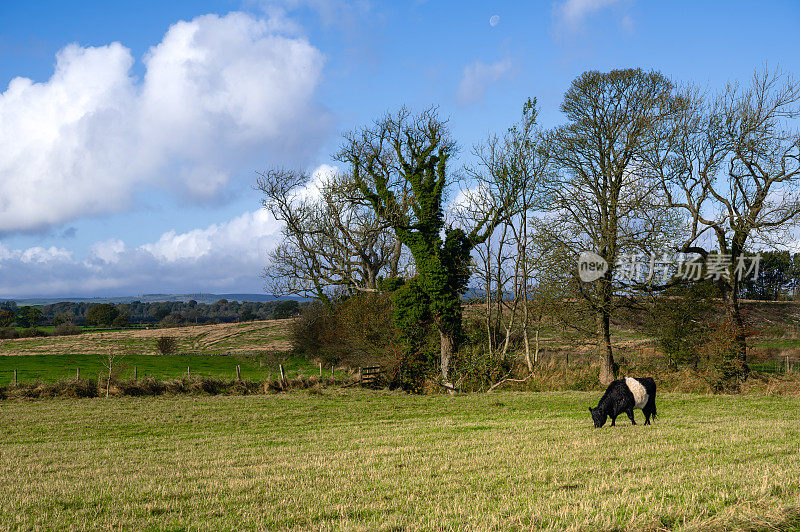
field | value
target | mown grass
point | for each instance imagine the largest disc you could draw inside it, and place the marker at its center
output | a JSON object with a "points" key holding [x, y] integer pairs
{"points": [[261, 337], [50, 368], [376, 460]]}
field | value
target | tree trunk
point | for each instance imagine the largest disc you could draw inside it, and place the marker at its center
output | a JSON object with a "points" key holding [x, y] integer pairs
{"points": [[608, 368], [528, 360], [448, 344], [734, 311]]}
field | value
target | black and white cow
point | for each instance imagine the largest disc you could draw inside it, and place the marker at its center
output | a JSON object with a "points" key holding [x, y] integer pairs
{"points": [[623, 395]]}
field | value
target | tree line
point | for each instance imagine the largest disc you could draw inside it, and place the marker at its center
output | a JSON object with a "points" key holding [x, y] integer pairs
{"points": [[138, 313], [642, 166]]}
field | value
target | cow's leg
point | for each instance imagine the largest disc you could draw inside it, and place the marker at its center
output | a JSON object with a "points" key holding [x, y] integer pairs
{"points": [[613, 420], [630, 415], [646, 412]]}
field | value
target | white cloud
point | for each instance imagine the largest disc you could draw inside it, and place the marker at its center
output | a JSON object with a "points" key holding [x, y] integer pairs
{"points": [[571, 14], [225, 257], [220, 96], [238, 237], [477, 77], [107, 251]]}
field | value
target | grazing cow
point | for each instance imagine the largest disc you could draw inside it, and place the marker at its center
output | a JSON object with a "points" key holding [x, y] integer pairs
{"points": [[623, 395]]}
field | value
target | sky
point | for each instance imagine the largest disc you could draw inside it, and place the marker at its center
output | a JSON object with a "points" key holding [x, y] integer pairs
{"points": [[132, 133]]}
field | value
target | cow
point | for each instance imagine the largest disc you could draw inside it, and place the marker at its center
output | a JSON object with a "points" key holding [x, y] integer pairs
{"points": [[623, 395]]}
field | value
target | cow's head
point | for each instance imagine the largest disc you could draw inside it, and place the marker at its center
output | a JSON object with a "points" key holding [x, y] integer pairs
{"points": [[598, 416]]}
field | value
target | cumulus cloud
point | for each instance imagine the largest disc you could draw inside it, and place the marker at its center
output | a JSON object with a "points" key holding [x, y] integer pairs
{"points": [[478, 77], [220, 95], [227, 256]]}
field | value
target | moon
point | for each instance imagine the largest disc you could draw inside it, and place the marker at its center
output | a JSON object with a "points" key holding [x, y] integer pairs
{"points": [[494, 21]]}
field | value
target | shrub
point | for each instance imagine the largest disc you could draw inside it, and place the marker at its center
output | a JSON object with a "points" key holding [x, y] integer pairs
{"points": [[120, 321], [356, 331], [32, 332], [167, 345], [8, 332], [65, 329]]}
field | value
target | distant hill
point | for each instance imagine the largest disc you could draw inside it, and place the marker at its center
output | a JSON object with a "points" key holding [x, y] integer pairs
{"points": [[153, 298]]}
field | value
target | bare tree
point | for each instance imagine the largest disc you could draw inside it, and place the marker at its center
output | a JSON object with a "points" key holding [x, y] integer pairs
{"points": [[734, 170], [332, 238], [602, 198], [513, 163]]}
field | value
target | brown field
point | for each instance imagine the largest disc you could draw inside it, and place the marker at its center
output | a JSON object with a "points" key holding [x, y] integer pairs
{"points": [[233, 338]]}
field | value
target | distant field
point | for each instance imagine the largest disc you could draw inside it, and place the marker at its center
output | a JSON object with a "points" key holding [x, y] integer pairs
{"points": [[250, 337], [377, 460], [255, 346]]}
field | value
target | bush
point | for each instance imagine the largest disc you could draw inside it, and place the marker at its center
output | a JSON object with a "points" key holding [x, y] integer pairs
{"points": [[32, 332], [167, 345], [357, 331], [65, 329], [121, 321], [8, 333], [360, 330]]}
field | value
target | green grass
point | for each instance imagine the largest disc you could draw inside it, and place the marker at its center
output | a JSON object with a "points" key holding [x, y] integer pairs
{"points": [[51, 368], [376, 460]]}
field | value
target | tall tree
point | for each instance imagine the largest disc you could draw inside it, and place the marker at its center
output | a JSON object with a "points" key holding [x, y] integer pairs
{"points": [[734, 170], [602, 197], [403, 159], [332, 239]]}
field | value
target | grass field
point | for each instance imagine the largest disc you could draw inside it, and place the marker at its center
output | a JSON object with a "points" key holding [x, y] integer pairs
{"points": [[377, 460], [255, 346], [49, 368], [250, 337]]}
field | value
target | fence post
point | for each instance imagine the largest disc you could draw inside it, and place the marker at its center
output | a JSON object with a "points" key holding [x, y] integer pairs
{"points": [[360, 376], [188, 371], [320, 369], [788, 369], [283, 376], [78, 374], [333, 369], [15, 377], [238, 372], [135, 374]]}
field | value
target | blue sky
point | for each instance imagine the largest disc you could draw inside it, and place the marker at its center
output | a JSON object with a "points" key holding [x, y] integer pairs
{"points": [[132, 132]]}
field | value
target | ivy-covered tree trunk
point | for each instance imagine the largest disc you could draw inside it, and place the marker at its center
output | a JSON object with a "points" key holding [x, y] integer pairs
{"points": [[448, 347]]}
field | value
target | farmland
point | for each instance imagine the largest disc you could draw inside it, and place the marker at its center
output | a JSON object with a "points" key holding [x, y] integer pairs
{"points": [[356, 459], [257, 347]]}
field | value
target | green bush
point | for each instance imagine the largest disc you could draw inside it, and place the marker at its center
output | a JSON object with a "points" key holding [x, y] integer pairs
{"points": [[65, 329], [167, 345]]}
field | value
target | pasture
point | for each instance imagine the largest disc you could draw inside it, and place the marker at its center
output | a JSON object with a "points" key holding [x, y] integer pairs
{"points": [[354, 459], [257, 347]]}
